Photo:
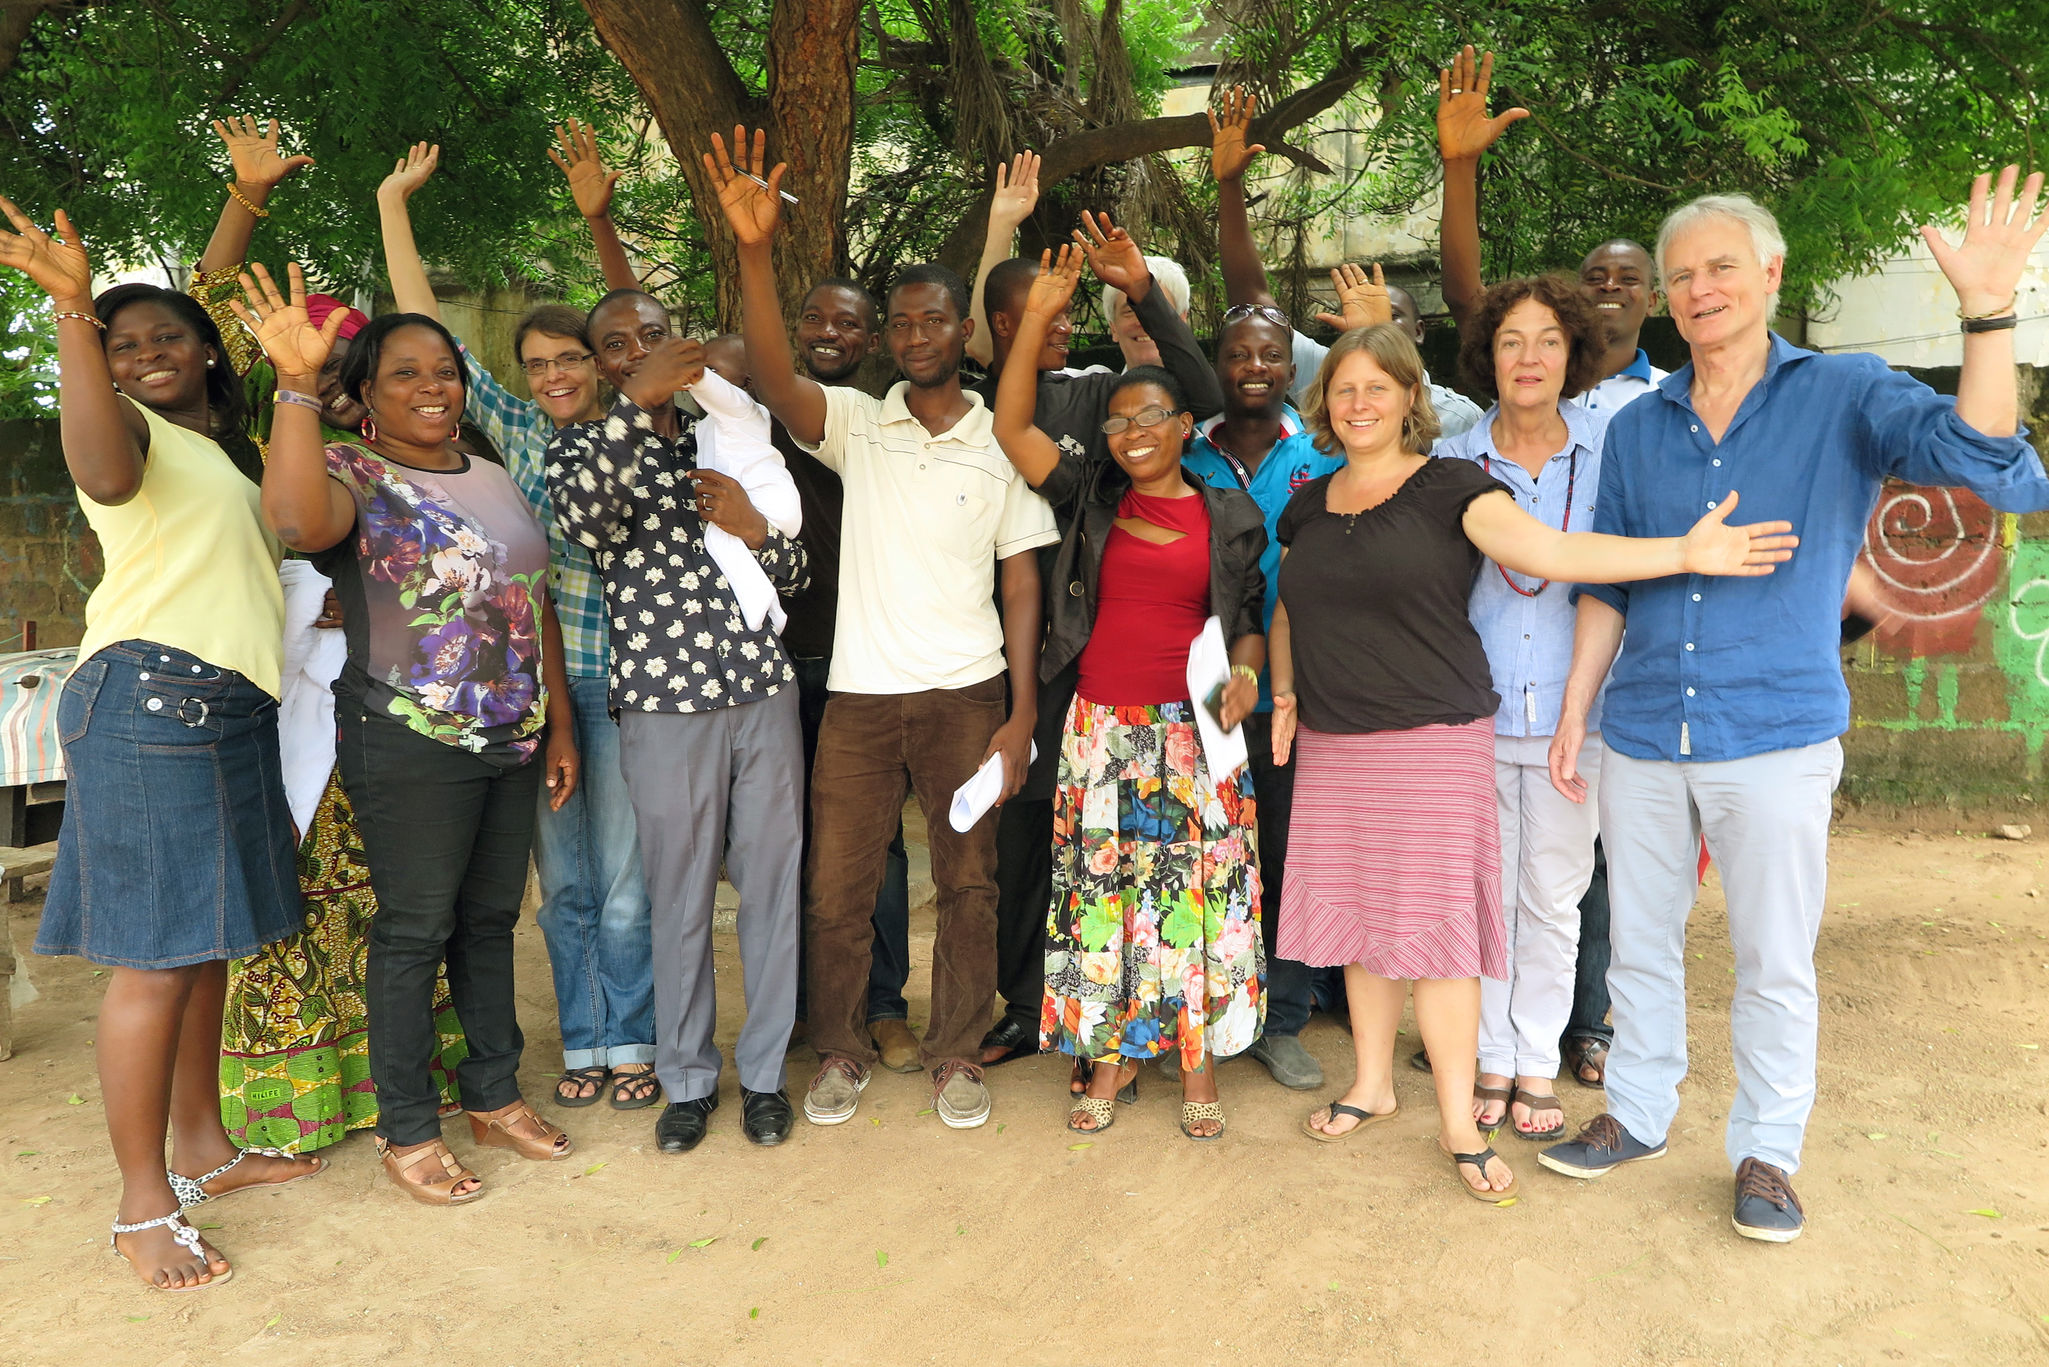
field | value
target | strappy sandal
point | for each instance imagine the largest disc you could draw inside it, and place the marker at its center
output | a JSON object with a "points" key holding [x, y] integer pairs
{"points": [[636, 1090], [1100, 1109], [1192, 1111], [594, 1077], [1338, 1108], [183, 1235], [1479, 1161], [440, 1192], [1504, 1095], [191, 1191], [1587, 1051], [493, 1129], [1537, 1101]]}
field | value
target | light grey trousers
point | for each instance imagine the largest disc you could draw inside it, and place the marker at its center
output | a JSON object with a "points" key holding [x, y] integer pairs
{"points": [[1766, 822], [710, 786]]}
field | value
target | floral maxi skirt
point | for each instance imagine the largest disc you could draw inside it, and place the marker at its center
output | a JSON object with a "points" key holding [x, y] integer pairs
{"points": [[1152, 941]]}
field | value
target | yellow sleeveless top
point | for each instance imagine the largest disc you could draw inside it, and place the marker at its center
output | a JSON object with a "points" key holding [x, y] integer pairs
{"points": [[189, 561]]}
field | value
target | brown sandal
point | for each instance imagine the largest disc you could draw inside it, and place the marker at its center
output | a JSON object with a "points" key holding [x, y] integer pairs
{"points": [[493, 1129], [440, 1192]]}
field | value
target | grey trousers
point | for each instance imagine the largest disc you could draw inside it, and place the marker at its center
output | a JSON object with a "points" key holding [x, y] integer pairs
{"points": [[708, 786], [1766, 822]]}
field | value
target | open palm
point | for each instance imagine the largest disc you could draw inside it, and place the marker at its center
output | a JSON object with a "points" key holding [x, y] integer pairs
{"points": [[753, 211], [1985, 269], [590, 184], [1463, 129], [253, 151], [58, 264], [1053, 287], [412, 171], [295, 347], [1017, 190], [1231, 148], [1112, 254]]}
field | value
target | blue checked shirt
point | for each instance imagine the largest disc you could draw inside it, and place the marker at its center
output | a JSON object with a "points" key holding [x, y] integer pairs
{"points": [[521, 432], [1724, 668], [1529, 640]]}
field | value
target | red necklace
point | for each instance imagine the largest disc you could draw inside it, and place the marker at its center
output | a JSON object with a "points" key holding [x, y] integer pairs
{"points": [[1571, 483]]}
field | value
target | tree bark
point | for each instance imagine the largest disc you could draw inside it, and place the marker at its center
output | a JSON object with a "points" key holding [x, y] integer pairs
{"points": [[17, 17], [668, 47]]}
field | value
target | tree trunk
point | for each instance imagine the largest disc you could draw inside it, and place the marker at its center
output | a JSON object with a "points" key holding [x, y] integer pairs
{"points": [[17, 17], [667, 46]]}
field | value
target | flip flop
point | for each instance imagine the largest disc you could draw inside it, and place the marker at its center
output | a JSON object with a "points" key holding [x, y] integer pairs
{"points": [[1479, 1160], [1504, 1095], [1338, 1108], [1537, 1101]]}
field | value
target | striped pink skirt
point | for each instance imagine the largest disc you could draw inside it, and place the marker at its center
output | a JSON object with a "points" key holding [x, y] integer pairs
{"points": [[1394, 853]]}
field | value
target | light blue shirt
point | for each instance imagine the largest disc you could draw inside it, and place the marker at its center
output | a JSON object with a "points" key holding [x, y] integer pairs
{"points": [[1624, 387], [1529, 639]]}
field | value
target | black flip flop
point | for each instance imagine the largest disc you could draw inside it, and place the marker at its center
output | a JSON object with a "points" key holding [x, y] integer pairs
{"points": [[597, 1073]]}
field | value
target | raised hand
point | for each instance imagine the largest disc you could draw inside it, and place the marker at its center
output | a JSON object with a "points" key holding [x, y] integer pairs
{"points": [[295, 347], [1714, 547], [590, 184], [254, 153], [1463, 129], [58, 264], [1017, 191], [412, 171], [1229, 152], [1112, 255], [1053, 287], [751, 198], [1363, 299], [1985, 269], [675, 364]]}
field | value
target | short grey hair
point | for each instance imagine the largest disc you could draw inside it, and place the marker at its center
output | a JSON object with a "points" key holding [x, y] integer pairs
{"points": [[1765, 238], [1167, 274]]}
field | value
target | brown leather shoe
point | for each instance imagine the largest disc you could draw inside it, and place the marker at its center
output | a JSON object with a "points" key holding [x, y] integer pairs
{"points": [[898, 1045], [519, 1128]]}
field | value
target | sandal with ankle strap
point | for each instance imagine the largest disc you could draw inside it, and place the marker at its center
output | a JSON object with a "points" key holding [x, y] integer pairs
{"points": [[1193, 1111], [493, 1129], [1480, 1160], [183, 1235], [440, 1192], [191, 1191]]}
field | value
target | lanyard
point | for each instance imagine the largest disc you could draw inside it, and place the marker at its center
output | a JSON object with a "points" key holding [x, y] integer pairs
{"points": [[1571, 483]]}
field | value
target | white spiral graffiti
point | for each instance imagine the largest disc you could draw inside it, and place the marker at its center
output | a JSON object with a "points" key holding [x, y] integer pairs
{"points": [[1930, 521]]}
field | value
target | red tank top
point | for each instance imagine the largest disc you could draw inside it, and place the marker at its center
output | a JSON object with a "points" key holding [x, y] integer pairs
{"points": [[1151, 603]]}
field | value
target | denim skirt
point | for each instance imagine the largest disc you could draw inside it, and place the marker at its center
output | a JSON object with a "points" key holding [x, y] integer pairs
{"points": [[177, 842]]}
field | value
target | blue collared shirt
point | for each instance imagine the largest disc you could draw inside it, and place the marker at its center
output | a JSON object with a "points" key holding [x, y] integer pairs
{"points": [[1292, 463], [1529, 639], [1624, 387], [1724, 668]]}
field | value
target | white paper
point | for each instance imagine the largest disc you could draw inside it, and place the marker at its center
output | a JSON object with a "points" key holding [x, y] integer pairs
{"points": [[1209, 665], [975, 797]]}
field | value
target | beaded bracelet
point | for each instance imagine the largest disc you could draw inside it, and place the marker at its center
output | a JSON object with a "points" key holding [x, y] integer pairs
{"points": [[1994, 313], [294, 397], [247, 202], [81, 317]]}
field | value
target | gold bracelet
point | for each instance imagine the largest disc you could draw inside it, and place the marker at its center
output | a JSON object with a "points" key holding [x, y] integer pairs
{"points": [[1245, 672], [2007, 307], [81, 317], [247, 202]]}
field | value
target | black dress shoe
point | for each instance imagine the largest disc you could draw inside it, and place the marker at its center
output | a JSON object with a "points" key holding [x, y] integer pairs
{"points": [[1017, 1038], [765, 1116], [682, 1123]]}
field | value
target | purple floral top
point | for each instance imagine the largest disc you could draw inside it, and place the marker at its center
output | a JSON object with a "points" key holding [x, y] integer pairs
{"points": [[440, 586]]}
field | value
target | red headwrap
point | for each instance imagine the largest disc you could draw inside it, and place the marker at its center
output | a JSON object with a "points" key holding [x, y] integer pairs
{"points": [[318, 306]]}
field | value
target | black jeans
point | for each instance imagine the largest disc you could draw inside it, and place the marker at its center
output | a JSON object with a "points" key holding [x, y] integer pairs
{"points": [[1590, 979], [446, 836], [1273, 792], [1024, 893]]}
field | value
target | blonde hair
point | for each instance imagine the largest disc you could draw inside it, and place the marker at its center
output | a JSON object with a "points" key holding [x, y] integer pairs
{"points": [[1393, 351]]}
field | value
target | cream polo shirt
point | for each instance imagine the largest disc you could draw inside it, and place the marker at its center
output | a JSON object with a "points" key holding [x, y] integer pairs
{"points": [[926, 519]]}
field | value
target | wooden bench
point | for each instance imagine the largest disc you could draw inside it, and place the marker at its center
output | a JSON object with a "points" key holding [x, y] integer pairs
{"points": [[15, 866]]}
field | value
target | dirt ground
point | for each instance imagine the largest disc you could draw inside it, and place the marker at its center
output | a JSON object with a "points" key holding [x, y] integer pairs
{"points": [[894, 1240]]}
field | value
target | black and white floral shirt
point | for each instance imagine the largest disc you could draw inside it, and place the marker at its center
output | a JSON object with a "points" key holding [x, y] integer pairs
{"points": [[679, 640]]}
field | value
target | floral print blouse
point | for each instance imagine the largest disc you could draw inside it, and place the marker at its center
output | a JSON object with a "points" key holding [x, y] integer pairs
{"points": [[441, 584]]}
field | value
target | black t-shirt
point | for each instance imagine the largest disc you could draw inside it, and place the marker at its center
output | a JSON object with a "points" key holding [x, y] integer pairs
{"points": [[1377, 605], [813, 613]]}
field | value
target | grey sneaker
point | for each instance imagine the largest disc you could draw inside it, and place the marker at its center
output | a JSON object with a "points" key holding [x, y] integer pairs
{"points": [[1601, 1146], [1291, 1064], [958, 1095], [835, 1092], [1766, 1207]]}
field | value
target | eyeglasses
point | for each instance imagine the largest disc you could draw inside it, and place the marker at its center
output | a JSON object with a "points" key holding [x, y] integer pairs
{"points": [[1145, 417], [566, 362], [1266, 311]]}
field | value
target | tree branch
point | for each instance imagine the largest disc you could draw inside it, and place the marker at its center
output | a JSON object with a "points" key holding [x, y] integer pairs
{"points": [[244, 68]]}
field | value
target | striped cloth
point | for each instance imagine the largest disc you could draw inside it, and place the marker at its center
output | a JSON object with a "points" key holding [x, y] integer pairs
{"points": [[30, 685], [1394, 853]]}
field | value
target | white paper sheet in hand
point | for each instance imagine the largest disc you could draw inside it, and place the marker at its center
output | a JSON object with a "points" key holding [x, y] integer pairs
{"points": [[979, 793], [1209, 665]]}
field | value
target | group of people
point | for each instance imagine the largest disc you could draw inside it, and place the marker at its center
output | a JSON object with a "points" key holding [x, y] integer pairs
{"points": [[697, 608]]}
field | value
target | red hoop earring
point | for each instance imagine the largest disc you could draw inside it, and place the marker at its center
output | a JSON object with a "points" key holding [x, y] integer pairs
{"points": [[368, 427]]}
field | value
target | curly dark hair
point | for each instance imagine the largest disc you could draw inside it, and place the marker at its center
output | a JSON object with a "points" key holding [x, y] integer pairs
{"points": [[1585, 340]]}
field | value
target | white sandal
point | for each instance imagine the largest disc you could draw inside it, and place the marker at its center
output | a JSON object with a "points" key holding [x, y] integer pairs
{"points": [[183, 1235], [191, 1191]]}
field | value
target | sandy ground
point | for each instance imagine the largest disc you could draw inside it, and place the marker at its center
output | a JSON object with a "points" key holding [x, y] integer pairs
{"points": [[894, 1240]]}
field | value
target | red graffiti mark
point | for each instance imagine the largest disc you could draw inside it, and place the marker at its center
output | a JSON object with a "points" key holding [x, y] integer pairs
{"points": [[1936, 554]]}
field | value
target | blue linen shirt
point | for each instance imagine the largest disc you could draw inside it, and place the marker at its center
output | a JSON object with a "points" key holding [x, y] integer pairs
{"points": [[1718, 668], [1292, 463], [1529, 640]]}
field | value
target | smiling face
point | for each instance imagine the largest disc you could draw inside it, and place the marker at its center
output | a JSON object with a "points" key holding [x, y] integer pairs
{"points": [[416, 395], [1716, 287], [1530, 353], [1366, 406], [566, 382], [927, 335], [339, 407], [1147, 453], [156, 357], [1254, 366], [1617, 277], [1138, 348], [624, 332], [835, 332]]}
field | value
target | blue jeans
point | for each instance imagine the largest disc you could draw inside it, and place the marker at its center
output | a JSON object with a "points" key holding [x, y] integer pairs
{"points": [[594, 909], [1590, 977]]}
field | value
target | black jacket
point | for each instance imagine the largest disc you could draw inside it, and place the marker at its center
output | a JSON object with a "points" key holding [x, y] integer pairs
{"points": [[1090, 493]]}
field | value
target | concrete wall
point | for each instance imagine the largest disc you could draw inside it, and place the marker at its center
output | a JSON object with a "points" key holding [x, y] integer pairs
{"points": [[49, 558]]}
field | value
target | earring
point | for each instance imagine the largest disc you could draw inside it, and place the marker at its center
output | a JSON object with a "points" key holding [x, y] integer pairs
{"points": [[368, 427], [209, 363]]}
